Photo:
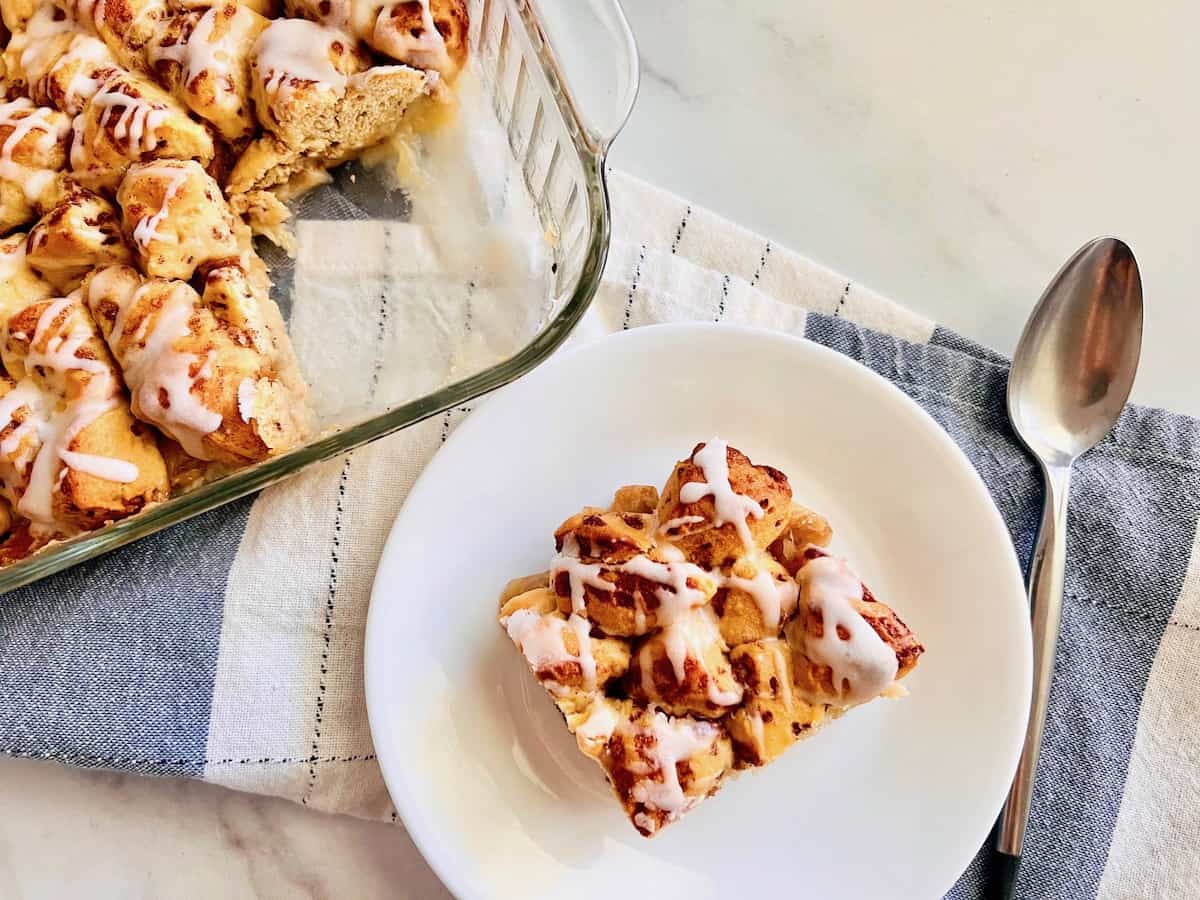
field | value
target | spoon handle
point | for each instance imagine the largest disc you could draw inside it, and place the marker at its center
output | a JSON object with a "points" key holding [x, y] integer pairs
{"points": [[1045, 602]]}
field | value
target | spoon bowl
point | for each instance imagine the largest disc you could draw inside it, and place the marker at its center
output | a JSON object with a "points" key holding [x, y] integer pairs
{"points": [[1075, 363]]}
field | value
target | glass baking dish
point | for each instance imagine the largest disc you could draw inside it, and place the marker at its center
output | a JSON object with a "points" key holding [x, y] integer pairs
{"points": [[403, 303]]}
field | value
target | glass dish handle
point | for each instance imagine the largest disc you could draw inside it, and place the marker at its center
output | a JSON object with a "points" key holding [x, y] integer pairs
{"points": [[595, 57]]}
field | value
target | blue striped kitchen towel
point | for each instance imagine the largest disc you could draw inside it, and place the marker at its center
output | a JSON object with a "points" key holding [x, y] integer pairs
{"points": [[229, 648]]}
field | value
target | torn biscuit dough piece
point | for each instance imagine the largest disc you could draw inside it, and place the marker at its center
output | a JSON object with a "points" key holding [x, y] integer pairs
{"points": [[79, 233], [175, 218], [33, 154], [203, 57], [201, 372], [130, 119], [72, 456], [425, 34]]}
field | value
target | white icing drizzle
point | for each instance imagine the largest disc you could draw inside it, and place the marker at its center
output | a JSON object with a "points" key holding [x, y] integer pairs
{"points": [[863, 665], [291, 51], [176, 52], [540, 639], [78, 149], [728, 505], [23, 119], [646, 668], [146, 229], [774, 599], [107, 467], [139, 120], [688, 637], [245, 399], [757, 731], [675, 741], [671, 553]]}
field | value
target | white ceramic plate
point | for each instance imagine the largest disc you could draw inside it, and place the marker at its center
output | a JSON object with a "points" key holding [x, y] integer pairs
{"points": [[891, 800]]}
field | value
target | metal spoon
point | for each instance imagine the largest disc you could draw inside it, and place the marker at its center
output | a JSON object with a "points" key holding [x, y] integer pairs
{"points": [[1070, 379]]}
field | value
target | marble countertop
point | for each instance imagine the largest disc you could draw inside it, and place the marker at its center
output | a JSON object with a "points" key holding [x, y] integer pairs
{"points": [[950, 156]]}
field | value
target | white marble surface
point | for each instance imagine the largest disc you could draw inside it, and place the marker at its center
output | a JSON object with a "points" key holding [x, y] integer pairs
{"points": [[950, 155]]}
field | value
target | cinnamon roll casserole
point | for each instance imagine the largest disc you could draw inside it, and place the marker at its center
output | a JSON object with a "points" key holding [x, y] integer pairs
{"points": [[143, 144], [694, 632]]}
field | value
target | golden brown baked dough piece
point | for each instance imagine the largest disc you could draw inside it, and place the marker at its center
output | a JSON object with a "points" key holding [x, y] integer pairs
{"points": [[314, 89], [19, 284], [565, 658], [42, 33], [16, 13], [425, 34], [624, 590], [78, 234], [18, 542], [299, 71], [268, 163], [175, 218], [67, 422], [72, 457], [320, 104], [69, 80], [774, 715], [748, 510], [204, 374], [522, 585], [238, 292], [756, 597], [611, 536], [804, 528], [635, 498], [889, 648], [683, 668], [125, 26], [130, 119], [185, 472], [267, 214], [89, 119], [269, 9], [659, 766], [203, 57], [33, 150]]}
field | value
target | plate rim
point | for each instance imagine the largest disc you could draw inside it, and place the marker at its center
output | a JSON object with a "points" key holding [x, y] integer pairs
{"points": [[414, 821]]}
